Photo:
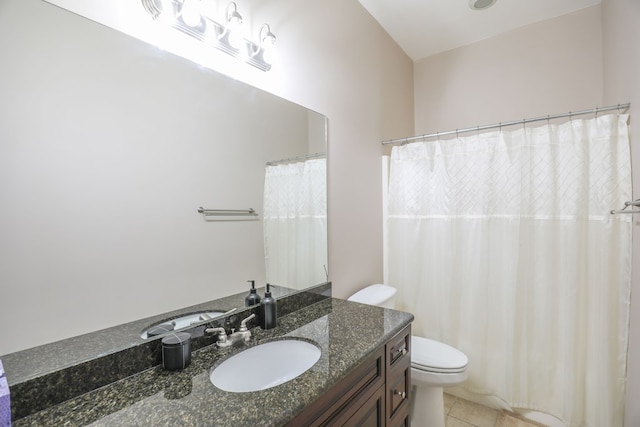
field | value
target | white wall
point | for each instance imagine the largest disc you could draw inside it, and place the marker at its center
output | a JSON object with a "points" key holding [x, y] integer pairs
{"points": [[334, 59], [621, 35], [550, 67]]}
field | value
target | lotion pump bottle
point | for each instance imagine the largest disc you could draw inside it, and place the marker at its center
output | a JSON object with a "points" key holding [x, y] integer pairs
{"points": [[253, 298], [268, 310]]}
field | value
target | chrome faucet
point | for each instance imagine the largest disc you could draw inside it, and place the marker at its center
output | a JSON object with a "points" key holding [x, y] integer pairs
{"points": [[243, 334]]}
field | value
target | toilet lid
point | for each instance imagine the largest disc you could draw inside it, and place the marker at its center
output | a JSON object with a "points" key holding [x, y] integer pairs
{"points": [[373, 294], [435, 356]]}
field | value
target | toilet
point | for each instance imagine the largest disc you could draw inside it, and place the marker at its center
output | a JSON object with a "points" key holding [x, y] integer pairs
{"points": [[434, 365]]}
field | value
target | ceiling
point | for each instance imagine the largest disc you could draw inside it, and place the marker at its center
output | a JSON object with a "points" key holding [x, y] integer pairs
{"points": [[425, 27]]}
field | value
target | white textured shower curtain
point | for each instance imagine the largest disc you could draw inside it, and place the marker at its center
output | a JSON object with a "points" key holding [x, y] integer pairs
{"points": [[503, 246], [295, 223]]}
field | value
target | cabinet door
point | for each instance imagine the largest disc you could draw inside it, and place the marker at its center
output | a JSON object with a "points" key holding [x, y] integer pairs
{"points": [[400, 421], [340, 403], [371, 413], [398, 391]]}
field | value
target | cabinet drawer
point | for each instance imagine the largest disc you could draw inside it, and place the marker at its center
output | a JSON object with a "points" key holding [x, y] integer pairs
{"points": [[369, 412], [338, 402], [399, 349]]}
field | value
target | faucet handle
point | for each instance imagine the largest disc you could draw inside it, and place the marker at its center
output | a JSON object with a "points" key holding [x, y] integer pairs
{"points": [[244, 332], [222, 336], [243, 324]]}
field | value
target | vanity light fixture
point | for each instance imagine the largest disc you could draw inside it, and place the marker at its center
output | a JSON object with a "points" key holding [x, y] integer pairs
{"points": [[189, 17]]}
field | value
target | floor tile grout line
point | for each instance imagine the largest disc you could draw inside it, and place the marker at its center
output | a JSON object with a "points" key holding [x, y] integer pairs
{"points": [[463, 421], [500, 420]]}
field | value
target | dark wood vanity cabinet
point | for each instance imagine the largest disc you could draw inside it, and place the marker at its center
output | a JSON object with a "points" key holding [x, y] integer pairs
{"points": [[375, 394]]}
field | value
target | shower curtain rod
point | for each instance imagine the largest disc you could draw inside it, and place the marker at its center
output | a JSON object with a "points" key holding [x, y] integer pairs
{"points": [[512, 123], [296, 159]]}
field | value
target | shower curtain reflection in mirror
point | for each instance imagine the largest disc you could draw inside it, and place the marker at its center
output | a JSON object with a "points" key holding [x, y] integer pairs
{"points": [[295, 223], [503, 246]]}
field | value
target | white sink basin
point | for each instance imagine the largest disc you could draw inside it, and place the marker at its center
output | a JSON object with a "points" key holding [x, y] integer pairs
{"points": [[264, 366]]}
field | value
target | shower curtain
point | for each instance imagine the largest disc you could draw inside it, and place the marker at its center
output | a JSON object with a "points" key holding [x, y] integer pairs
{"points": [[502, 245], [295, 223]]}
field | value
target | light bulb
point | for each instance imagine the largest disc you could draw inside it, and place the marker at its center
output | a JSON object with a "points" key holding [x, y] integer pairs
{"points": [[236, 40], [233, 30], [234, 27], [190, 13], [168, 11], [269, 52], [267, 48]]}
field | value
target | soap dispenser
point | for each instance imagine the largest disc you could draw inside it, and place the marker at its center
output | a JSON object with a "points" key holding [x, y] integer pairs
{"points": [[268, 310], [253, 298]]}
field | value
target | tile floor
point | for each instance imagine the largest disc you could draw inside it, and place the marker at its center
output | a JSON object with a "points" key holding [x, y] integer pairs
{"points": [[462, 413]]}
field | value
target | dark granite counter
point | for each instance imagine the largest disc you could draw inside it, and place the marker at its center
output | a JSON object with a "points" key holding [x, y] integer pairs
{"points": [[346, 332]]}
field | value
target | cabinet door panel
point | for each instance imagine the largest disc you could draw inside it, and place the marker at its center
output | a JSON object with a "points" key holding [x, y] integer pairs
{"points": [[371, 413], [337, 403], [398, 391]]}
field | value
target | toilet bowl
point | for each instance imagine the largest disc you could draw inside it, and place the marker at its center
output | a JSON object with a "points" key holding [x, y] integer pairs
{"points": [[434, 364]]}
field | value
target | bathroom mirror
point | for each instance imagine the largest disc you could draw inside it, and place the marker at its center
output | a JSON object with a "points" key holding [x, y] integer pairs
{"points": [[108, 147]]}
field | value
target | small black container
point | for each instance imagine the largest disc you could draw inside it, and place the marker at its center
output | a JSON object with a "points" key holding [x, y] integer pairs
{"points": [[253, 298], [176, 351], [268, 310]]}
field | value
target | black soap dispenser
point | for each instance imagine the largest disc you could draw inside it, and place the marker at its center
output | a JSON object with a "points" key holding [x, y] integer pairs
{"points": [[268, 311], [253, 298]]}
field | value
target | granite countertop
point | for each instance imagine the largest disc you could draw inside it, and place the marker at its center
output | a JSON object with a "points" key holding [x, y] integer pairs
{"points": [[346, 332]]}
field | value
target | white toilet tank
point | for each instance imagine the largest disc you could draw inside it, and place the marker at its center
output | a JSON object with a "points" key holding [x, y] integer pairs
{"points": [[380, 295]]}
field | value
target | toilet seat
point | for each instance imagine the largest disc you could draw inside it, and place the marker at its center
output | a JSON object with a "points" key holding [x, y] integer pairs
{"points": [[434, 356]]}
